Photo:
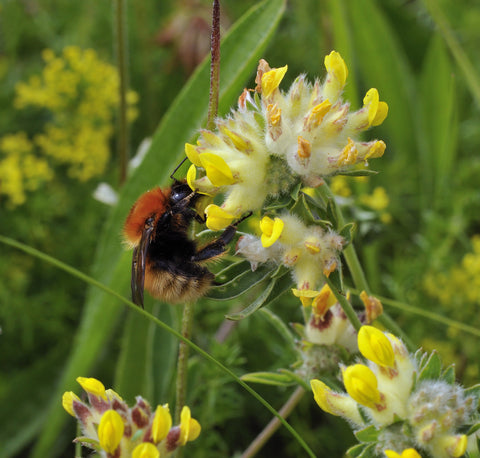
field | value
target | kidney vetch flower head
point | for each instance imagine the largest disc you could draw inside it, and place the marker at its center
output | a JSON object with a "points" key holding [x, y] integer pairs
{"points": [[113, 429], [275, 140], [401, 405]]}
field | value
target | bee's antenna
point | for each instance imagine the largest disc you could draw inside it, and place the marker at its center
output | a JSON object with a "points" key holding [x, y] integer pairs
{"points": [[177, 167]]}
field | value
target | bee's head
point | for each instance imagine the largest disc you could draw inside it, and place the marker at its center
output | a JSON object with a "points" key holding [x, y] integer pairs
{"points": [[181, 192]]}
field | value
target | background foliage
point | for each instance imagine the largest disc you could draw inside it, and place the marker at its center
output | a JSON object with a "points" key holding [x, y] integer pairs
{"points": [[422, 57]]}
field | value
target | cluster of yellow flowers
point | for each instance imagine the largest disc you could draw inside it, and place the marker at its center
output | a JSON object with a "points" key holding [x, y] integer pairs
{"points": [[461, 285], [274, 142], [21, 170], [113, 429], [80, 93], [407, 405]]}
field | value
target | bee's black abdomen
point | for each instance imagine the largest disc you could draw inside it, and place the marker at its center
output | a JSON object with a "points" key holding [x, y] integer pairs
{"points": [[172, 275]]}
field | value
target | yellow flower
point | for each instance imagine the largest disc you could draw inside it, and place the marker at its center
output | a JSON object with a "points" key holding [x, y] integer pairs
{"points": [[271, 230], [454, 445], [217, 169], [323, 301], [217, 218], [162, 423], [145, 450], [336, 66], [374, 345], [361, 384], [110, 431], [272, 79], [377, 111], [92, 386], [408, 453], [335, 403], [67, 401], [189, 427], [306, 295]]}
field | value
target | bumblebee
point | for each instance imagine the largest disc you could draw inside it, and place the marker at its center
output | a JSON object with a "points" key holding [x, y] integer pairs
{"points": [[166, 262]]}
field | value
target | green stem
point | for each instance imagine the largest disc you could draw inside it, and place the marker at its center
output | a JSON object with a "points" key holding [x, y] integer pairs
{"points": [[121, 51], [182, 363], [346, 306], [214, 66], [274, 424], [349, 252]]}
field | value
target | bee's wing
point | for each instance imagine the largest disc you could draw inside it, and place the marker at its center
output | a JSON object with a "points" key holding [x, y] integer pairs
{"points": [[138, 265]]}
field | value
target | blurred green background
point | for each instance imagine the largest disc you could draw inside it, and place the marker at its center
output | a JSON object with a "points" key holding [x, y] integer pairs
{"points": [[417, 238]]}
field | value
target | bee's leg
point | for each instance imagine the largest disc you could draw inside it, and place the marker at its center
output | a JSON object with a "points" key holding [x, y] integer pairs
{"points": [[219, 245], [216, 247]]}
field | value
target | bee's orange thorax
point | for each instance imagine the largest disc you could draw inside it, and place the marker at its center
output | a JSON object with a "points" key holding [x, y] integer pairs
{"points": [[151, 203]]}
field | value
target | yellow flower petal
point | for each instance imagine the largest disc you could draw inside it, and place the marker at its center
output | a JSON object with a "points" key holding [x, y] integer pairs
{"points": [[323, 301], [374, 345], [195, 430], [304, 148], [67, 401], [376, 150], [185, 417], [349, 154], [317, 114], [145, 450], [162, 422], [191, 176], [336, 66], [320, 394], [93, 386], [408, 453], [306, 295], [361, 384], [272, 79], [217, 169], [217, 218], [110, 431], [271, 230], [192, 154], [238, 141], [377, 111]]}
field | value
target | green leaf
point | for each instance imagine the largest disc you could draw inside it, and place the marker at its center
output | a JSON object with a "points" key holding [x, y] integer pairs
{"points": [[449, 374], [269, 378], [279, 325], [356, 450], [358, 173], [242, 282], [473, 391], [432, 368], [368, 434], [241, 49], [255, 305], [348, 232], [438, 121], [473, 429], [276, 288]]}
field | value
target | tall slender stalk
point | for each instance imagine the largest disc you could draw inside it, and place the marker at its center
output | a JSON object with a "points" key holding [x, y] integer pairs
{"points": [[182, 362], [123, 135], [214, 66]]}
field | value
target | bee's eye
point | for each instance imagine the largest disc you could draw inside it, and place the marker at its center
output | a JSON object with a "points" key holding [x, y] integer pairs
{"points": [[149, 221], [180, 192]]}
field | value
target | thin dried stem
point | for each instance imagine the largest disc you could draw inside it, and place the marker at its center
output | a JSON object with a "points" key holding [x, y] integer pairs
{"points": [[274, 424]]}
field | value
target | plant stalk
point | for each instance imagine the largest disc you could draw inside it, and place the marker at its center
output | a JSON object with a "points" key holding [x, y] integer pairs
{"points": [[214, 66], [121, 54], [274, 424], [182, 362]]}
